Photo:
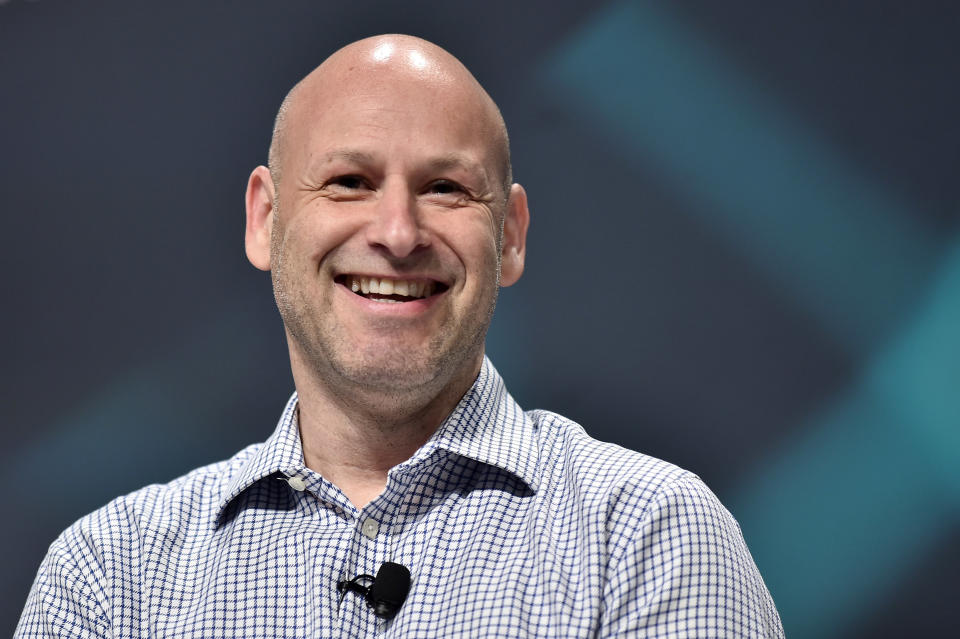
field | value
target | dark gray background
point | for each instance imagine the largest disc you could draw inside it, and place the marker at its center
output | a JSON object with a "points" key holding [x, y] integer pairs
{"points": [[742, 259]]}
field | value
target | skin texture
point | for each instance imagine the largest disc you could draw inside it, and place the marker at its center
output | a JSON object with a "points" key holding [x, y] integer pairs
{"points": [[388, 160]]}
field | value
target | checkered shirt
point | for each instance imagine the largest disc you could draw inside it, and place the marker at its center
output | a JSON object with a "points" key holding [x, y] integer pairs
{"points": [[512, 524]]}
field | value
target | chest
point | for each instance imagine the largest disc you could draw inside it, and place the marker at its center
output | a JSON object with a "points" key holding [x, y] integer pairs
{"points": [[489, 561]]}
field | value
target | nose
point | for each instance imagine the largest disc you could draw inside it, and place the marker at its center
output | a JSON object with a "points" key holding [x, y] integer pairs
{"points": [[397, 226]]}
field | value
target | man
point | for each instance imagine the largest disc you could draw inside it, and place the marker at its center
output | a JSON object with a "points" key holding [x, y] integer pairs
{"points": [[388, 219]]}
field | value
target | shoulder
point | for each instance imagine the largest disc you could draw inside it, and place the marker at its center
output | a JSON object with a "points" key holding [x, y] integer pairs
{"points": [[567, 449], [187, 501], [627, 488], [94, 566], [674, 554]]}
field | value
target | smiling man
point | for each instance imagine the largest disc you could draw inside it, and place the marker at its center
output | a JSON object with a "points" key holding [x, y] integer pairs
{"points": [[403, 492], [387, 220]]}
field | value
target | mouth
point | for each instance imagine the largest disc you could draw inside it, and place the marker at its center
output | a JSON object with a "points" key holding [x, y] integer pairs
{"points": [[390, 290]]}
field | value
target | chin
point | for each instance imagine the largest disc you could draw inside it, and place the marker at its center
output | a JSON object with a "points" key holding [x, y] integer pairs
{"points": [[390, 377], [409, 368], [400, 370]]}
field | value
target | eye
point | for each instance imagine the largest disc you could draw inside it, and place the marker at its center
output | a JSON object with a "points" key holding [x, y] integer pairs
{"points": [[445, 187], [348, 182]]}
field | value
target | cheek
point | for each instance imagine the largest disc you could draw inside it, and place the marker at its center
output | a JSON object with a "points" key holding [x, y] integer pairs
{"points": [[485, 259], [474, 242], [314, 234]]}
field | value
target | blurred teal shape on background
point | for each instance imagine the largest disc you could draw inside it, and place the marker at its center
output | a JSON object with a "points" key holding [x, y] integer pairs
{"points": [[850, 254], [840, 514], [873, 481], [131, 429]]}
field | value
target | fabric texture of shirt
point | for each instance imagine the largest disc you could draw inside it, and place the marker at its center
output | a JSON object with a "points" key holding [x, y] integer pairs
{"points": [[512, 524]]}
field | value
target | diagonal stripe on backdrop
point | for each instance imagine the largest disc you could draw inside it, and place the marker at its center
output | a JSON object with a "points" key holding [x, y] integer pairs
{"points": [[873, 481], [758, 178]]}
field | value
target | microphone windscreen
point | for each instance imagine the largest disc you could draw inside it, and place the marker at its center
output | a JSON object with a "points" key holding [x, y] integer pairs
{"points": [[389, 589]]}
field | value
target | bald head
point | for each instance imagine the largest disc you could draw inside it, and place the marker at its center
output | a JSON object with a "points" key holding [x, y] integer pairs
{"points": [[397, 63]]}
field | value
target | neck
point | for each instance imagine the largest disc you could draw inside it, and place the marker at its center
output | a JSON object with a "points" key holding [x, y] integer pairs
{"points": [[354, 436]]}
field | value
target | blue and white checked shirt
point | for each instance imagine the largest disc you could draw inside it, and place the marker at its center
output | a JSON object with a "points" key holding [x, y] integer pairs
{"points": [[512, 524]]}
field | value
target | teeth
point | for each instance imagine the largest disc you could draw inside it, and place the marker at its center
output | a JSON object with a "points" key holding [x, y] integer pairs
{"points": [[384, 286]]}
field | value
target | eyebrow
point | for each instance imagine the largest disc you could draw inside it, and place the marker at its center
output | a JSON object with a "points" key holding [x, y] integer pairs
{"points": [[350, 155], [447, 161], [456, 161]]}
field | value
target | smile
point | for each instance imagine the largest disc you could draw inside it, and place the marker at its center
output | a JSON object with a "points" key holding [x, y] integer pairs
{"points": [[389, 290]]}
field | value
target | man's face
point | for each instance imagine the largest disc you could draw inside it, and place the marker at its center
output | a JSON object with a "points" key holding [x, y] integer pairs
{"points": [[385, 240]]}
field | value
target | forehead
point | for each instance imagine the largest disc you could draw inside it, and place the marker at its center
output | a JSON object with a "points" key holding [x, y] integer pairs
{"points": [[360, 116]]}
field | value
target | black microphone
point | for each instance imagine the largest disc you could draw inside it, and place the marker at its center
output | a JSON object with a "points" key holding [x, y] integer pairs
{"points": [[386, 593]]}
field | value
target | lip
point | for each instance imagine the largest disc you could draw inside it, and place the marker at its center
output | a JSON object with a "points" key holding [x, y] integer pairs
{"points": [[413, 308], [413, 277]]}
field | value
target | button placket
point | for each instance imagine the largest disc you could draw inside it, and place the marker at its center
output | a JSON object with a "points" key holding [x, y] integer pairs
{"points": [[376, 527]]}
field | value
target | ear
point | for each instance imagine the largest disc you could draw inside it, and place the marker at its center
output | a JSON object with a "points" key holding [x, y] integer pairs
{"points": [[260, 196], [514, 248]]}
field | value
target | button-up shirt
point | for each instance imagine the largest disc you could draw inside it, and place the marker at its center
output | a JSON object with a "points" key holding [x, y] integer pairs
{"points": [[512, 524]]}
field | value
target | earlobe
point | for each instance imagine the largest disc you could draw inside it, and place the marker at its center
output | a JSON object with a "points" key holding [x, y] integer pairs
{"points": [[514, 248], [259, 200]]}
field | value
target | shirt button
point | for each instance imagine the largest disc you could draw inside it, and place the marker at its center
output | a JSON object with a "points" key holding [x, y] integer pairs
{"points": [[297, 483], [370, 527]]}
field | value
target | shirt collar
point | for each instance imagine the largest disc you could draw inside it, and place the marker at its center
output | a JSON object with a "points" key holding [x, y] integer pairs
{"points": [[487, 425], [281, 453], [490, 427]]}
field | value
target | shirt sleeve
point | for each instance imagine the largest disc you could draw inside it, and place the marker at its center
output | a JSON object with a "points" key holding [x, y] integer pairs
{"points": [[66, 599], [687, 573]]}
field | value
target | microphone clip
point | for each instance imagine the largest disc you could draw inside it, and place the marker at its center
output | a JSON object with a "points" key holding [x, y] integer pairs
{"points": [[384, 593]]}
